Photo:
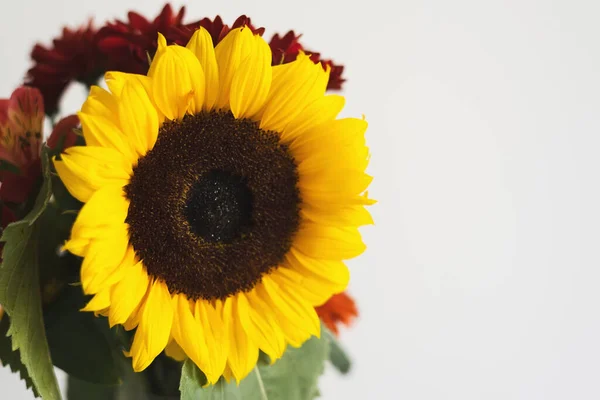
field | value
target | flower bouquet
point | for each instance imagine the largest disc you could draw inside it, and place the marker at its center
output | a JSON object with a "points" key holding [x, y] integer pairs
{"points": [[183, 234]]}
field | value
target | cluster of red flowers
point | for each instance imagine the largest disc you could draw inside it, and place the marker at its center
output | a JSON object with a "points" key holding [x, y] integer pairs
{"points": [[85, 54]]}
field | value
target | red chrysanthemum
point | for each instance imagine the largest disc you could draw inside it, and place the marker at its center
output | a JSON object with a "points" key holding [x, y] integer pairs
{"points": [[339, 309], [85, 54], [217, 29], [72, 57], [285, 49], [127, 43]]}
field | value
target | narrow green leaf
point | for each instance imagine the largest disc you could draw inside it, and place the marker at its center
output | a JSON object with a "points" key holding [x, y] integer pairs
{"points": [[293, 377], [337, 355], [45, 193], [20, 293]]}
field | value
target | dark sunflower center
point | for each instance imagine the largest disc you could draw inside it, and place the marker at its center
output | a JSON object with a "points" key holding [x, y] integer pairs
{"points": [[219, 206], [214, 205]]}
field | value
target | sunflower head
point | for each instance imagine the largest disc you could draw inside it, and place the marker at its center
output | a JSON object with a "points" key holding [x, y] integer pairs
{"points": [[222, 197]]}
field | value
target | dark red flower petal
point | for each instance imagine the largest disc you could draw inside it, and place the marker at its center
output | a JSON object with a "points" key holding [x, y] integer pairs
{"points": [[16, 188], [285, 49], [216, 28], [72, 57], [127, 44], [64, 132], [84, 54]]}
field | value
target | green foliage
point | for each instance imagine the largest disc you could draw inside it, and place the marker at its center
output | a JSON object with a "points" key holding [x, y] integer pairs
{"points": [[81, 344], [293, 377], [337, 355], [10, 357], [20, 293], [82, 390], [151, 384]]}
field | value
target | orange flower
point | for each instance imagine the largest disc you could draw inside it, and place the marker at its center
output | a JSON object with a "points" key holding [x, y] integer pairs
{"points": [[340, 308], [21, 136], [21, 119]]}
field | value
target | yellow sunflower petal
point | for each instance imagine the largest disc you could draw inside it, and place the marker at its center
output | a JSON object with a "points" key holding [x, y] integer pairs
{"points": [[77, 246], [85, 169], [101, 266], [106, 208], [231, 52], [227, 374], [337, 186], [127, 293], [215, 336], [347, 136], [100, 103], [329, 242], [332, 273], [138, 117], [116, 81], [174, 351], [300, 312], [134, 319], [102, 131], [252, 81], [154, 329], [339, 216], [322, 110], [187, 331], [261, 325], [178, 82], [99, 302], [295, 85], [294, 319], [312, 289], [201, 45], [243, 352]]}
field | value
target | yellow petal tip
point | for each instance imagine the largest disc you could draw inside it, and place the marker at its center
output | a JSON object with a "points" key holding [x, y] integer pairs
{"points": [[162, 41]]}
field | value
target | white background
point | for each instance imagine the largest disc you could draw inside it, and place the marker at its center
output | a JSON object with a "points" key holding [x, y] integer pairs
{"points": [[482, 273]]}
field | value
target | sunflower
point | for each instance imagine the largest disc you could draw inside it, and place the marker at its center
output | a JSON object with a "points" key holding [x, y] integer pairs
{"points": [[221, 197]]}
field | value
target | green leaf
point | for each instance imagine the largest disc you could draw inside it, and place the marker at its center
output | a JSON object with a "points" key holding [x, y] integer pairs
{"points": [[293, 377], [20, 293], [192, 380], [45, 193], [135, 386], [10, 357], [82, 390], [79, 342], [337, 355]]}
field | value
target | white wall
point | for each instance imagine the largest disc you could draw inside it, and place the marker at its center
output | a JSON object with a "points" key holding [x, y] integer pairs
{"points": [[481, 277]]}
